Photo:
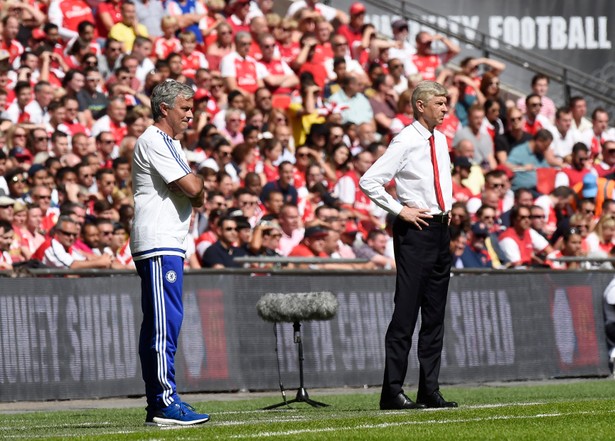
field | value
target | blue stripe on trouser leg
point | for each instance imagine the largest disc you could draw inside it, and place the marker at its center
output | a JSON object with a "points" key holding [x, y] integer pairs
{"points": [[161, 303]]}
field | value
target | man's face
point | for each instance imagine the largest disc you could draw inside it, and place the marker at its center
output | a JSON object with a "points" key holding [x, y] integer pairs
{"points": [[564, 122], [180, 115], [263, 100], [117, 110], [224, 154], [286, 174], [34, 219], [541, 87], [91, 236], [488, 217], [122, 171], [476, 119], [92, 80], [523, 219], [24, 96], [537, 218], [42, 196], [85, 175], [80, 146], [579, 109], [268, 48], [608, 152], [339, 45], [289, 219], [247, 203], [44, 95], [106, 143], [228, 232], [106, 184], [580, 159], [515, 120], [533, 107], [40, 177], [118, 238], [316, 244], [7, 212], [275, 202], [243, 46], [6, 237], [72, 109], [129, 14], [143, 50], [67, 234], [105, 233], [363, 162], [11, 29], [61, 146], [282, 133], [378, 243], [525, 199], [601, 122], [434, 110]]}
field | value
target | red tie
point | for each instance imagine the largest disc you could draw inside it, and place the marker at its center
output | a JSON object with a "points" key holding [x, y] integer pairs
{"points": [[436, 174]]}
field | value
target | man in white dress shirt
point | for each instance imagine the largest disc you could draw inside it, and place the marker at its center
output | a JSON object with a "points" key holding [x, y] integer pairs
{"points": [[418, 160]]}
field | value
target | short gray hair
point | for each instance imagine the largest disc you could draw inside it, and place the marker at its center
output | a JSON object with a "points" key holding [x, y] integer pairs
{"points": [[167, 92], [64, 219], [425, 91]]}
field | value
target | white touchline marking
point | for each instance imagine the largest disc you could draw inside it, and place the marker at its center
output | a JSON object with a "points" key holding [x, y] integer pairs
{"points": [[412, 423]]}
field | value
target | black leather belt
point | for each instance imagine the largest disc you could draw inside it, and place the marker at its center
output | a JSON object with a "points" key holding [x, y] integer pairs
{"points": [[439, 218]]}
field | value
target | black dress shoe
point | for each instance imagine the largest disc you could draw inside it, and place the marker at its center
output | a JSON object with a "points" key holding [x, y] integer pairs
{"points": [[401, 401], [435, 401]]}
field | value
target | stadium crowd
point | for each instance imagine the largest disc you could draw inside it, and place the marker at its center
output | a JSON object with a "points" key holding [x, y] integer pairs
{"points": [[289, 112]]}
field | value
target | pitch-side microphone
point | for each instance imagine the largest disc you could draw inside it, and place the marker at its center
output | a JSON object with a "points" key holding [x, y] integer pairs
{"points": [[297, 307]]}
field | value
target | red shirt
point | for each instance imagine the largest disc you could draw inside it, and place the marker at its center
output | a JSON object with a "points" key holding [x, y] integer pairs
{"points": [[427, 65], [111, 9], [289, 52], [526, 248]]}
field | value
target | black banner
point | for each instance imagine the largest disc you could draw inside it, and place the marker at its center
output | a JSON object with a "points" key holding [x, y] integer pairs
{"points": [[77, 338]]}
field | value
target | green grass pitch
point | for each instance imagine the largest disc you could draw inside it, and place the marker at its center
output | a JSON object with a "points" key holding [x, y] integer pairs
{"points": [[554, 410]]}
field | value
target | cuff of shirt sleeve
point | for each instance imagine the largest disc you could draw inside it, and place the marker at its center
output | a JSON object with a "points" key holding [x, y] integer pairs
{"points": [[396, 208]]}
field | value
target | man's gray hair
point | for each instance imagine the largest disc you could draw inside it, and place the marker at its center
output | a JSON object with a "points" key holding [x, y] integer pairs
{"points": [[167, 92], [425, 91], [242, 35], [64, 219]]}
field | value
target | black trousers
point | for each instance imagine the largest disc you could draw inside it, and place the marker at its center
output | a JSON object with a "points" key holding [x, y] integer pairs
{"points": [[423, 271]]}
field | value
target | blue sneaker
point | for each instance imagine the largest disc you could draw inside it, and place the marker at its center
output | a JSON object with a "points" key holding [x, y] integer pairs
{"points": [[176, 414]]}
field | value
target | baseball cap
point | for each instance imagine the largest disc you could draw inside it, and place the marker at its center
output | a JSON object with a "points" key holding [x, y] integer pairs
{"points": [[35, 168], [357, 8], [463, 162], [315, 232], [590, 186], [399, 24], [21, 154], [509, 173], [201, 94], [38, 34], [351, 227], [5, 201], [480, 229]]}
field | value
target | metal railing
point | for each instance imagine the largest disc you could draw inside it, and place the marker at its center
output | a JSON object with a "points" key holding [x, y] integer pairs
{"points": [[570, 77]]}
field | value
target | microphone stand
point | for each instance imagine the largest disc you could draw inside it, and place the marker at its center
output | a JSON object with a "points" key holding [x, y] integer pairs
{"points": [[302, 394]]}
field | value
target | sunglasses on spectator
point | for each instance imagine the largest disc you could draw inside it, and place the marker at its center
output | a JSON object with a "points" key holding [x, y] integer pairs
{"points": [[67, 233], [518, 118], [537, 216], [535, 104], [230, 229], [20, 178], [41, 196]]}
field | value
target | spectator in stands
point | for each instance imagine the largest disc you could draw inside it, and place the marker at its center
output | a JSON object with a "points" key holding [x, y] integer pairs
{"points": [[274, 203], [538, 221], [513, 135], [313, 243], [523, 246], [597, 189], [383, 102], [600, 132], [475, 254], [605, 166], [572, 247], [265, 239], [571, 174], [534, 120], [374, 250], [459, 241], [564, 136], [526, 158], [223, 252], [540, 88], [602, 239], [239, 70], [280, 79], [283, 184], [483, 143], [7, 212], [578, 108], [403, 52], [523, 197], [359, 109], [6, 238], [328, 12], [67, 14], [426, 60], [128, 29], [292, 232], [57, 251], [461, 171]]}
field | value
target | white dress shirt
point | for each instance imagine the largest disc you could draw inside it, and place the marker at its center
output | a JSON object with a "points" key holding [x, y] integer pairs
{"points": [[408, 161]]}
